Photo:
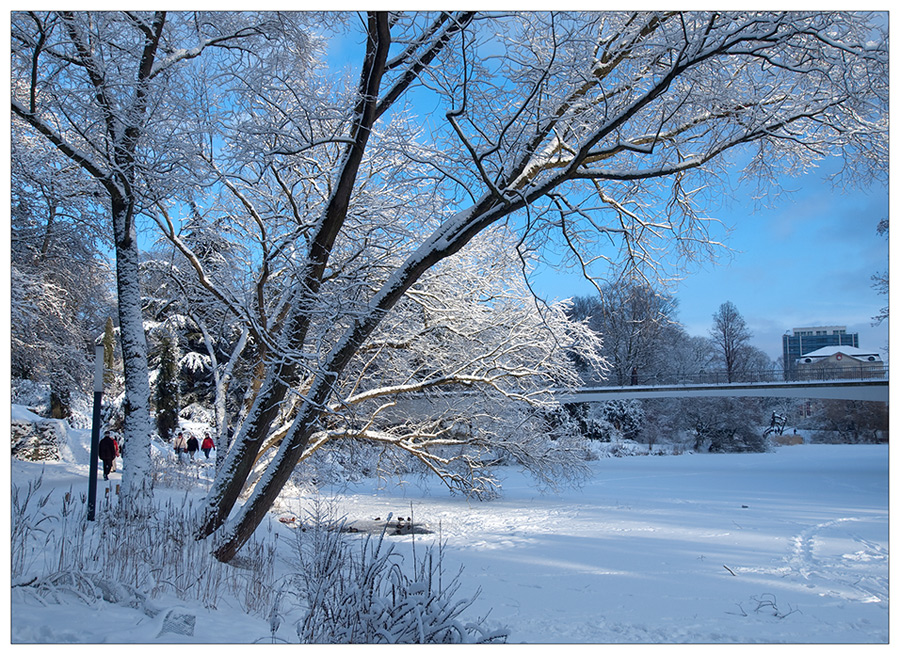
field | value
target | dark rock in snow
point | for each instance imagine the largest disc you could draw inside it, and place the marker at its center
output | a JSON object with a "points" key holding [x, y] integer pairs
{"points": [[398, 527]]}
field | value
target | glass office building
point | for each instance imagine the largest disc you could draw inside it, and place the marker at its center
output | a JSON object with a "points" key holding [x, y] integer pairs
{"points": [[800, 341]]}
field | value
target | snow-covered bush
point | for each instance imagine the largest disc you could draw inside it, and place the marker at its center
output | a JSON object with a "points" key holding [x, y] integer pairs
{"points": [[36, 397], [849, 421], [361, 592], [611, 420], [33, 395], [197, 413], [37, 440], [625, 448], [622, 419], [722, 425]]}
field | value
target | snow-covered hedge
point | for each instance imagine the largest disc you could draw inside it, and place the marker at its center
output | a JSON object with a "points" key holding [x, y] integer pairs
{"points": [[37, 441], [624, 448]]}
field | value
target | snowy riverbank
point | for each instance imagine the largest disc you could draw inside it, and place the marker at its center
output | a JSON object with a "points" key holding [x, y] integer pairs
{"points": [[783, 547]]}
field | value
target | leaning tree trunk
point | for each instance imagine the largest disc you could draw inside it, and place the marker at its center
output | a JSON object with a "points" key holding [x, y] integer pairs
{"points": [[452, 237], [238, 464], [234, 473]]}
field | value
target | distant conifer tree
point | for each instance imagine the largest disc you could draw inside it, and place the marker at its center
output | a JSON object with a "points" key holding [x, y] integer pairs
{"points": [[167, 395]]}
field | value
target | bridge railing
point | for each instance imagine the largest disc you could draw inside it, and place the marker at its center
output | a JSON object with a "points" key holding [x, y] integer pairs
{"points": [[810, 374], [854, 372]]}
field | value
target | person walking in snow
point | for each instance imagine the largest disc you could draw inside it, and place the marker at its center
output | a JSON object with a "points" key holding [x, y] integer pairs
{"points": [[207, 445], [180, 445], [192, 446], [107, 453]]}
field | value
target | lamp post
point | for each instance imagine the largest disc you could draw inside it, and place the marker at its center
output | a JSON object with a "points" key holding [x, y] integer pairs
{"points": [[95, 431]]}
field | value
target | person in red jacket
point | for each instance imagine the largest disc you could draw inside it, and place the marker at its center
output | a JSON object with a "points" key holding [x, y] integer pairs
{"points": [[116, 444], [207, 445], [107, 452]]}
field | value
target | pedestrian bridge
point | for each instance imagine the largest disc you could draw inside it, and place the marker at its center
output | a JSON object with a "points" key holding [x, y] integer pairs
{"points": [[837, 389]]}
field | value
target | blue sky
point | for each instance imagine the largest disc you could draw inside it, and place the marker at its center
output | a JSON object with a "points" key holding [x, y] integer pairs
{"points": [[806, 259]]}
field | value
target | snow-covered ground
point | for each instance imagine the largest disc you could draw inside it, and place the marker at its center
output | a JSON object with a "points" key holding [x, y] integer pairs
{"points": [[783, 547]]}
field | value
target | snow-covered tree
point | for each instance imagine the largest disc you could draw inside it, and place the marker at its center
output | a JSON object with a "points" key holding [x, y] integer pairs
{"points": [[570, 128], [459, 374], [60, 283], [213, 337], [637, 325], [881, 280], [103, 89], [167, 393]]}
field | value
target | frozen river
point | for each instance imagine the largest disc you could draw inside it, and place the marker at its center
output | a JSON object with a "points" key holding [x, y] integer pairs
{"points": [[788, 546]]}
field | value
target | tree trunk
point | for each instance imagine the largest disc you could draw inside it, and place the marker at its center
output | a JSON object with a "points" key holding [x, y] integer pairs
{"points": [[238, 464], [292, 446], [136, 491], [449, 239], [231, 479]]}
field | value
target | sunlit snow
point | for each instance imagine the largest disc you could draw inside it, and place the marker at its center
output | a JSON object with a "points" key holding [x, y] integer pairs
{"points": [[789, 546]]}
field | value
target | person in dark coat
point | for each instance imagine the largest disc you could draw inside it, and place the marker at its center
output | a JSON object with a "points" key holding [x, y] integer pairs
{"points": [[207, 445], [107, 453], [192, 446]]}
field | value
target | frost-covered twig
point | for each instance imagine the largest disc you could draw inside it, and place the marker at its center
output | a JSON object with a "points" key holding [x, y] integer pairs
{"points": [[768, 603]]}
